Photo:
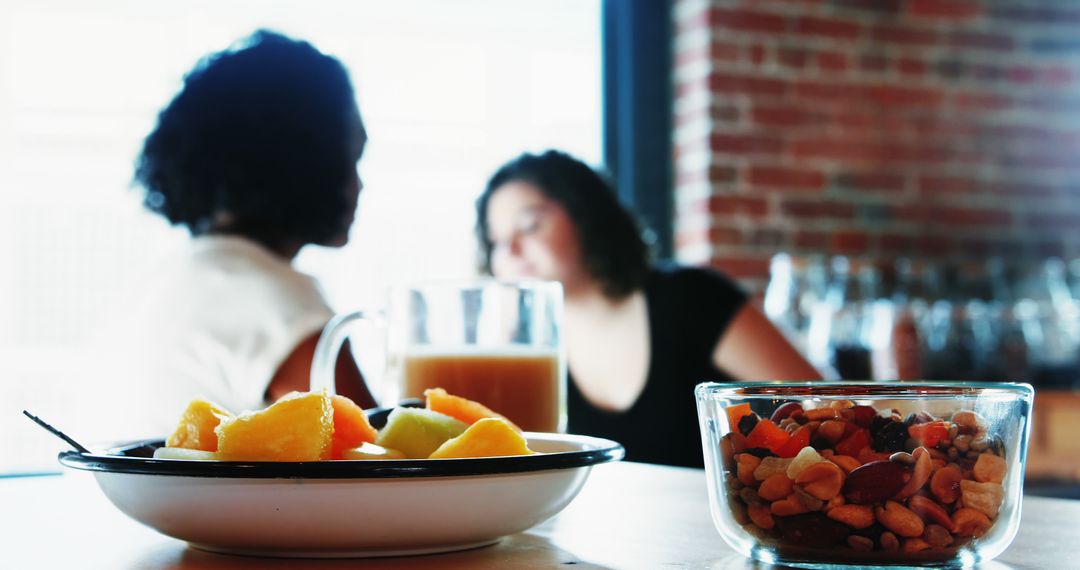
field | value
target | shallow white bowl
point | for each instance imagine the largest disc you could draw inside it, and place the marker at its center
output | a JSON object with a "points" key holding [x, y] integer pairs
{"points": [[345, 508]]}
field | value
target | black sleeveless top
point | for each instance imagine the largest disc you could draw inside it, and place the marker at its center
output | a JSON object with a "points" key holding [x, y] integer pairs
{"points": [[688, 310]]}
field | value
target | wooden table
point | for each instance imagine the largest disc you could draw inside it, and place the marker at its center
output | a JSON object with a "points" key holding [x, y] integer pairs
{"points": [[629, 515]]}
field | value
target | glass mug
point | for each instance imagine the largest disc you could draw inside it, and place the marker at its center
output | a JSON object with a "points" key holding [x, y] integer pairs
{"points": [[496, 342]]}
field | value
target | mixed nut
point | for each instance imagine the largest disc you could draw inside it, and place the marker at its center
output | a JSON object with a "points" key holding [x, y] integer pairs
{"points": [[851, 476]]}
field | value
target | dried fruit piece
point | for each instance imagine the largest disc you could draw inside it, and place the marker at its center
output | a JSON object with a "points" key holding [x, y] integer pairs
{"points": [[787, 507], [800, 438], [989, 468], [806, 457], [970, 522], [874, 482], [983, 497], [945, 483], [761, 515], [853, 443], [930, 433], [735, 413], [770, 466], [767, 435], [846, 462]]}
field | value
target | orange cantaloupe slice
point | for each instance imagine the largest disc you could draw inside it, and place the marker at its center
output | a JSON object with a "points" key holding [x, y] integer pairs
{"points": [[298, 427], [488, 437], [462, 409], [196, 427], [351, 427]]}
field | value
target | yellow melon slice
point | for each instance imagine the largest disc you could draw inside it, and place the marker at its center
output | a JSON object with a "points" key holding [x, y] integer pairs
{"points": [[298, 427], [196, 427], [488, 437]]}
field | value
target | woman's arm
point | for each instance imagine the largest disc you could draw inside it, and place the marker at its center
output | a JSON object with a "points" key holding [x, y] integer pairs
{"points": [[753, 349], [294, 374]]}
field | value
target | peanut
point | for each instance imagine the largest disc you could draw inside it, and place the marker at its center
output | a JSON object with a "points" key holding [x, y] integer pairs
{"points": [[989, 468], [746, 465], [738, 512], [980, 443], [788, 507], [822, 414], [761, 515], [776, 487], [969, 422], [749, 496], [916, 544], [962, 443], [938, 535], [809, 501], [970, 522], [823, 480], [845, 462], [770, 466], [929, 511], [860, 543], [945, 484], [983, 497], [889, 542], [837, 501], [842, 404], [831, 430], [855, 516], [919, 476], [899, 519]]}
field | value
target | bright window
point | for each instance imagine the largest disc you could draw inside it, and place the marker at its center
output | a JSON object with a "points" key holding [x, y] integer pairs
{"points": [[448, 89]]}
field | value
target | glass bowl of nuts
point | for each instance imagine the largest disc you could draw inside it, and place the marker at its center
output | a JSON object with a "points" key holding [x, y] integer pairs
{"points": [[817, 474]]}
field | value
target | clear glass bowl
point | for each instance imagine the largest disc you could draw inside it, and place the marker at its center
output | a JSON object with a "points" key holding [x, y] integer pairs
{"points": [[876, 499]]}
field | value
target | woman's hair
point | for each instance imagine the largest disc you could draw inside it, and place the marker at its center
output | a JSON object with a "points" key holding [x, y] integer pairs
{"points": [[611, 241], [257, 141]]}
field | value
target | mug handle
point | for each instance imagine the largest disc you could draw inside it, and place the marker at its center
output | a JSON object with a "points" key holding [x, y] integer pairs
{"points": [[333, 336]]}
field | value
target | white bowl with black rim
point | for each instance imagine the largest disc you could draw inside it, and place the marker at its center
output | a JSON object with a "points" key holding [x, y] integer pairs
{"points": [[346, 508]]}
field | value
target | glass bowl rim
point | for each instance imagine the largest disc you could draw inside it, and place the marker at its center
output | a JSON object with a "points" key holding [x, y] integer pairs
{"points": [[895, 389]]}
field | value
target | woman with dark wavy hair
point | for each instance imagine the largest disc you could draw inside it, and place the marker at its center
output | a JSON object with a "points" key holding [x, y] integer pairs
{"points": [[639, 336], [256, 157]]}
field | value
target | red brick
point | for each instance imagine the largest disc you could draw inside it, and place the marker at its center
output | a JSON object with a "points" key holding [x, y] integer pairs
{"points": [[973, 217], [783, 116], [934, 245], [742, 266], [817, 209], [832, 61], [1020, 189], [905, 96], [714, 174], [811, 240], [722, 83], [724, 236], [767, 237], [829, 90], [896, 243], [909, 66], [744, 144], [981, 40], [826, 27], [873, 180], [759, 54], [981, 101], [903, 35], [848, 149], [721, 174], [791, 57], [849, 242], [786, 178], [727, 204], [747, 21], [944, 9], [873, 63], [948, 185], [917, 213]]}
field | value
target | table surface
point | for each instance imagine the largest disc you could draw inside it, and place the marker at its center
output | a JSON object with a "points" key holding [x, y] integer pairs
{"points": [[628, 515]]}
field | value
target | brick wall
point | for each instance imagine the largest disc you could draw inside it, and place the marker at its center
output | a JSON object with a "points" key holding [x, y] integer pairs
{"points": [[878, 128]]}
